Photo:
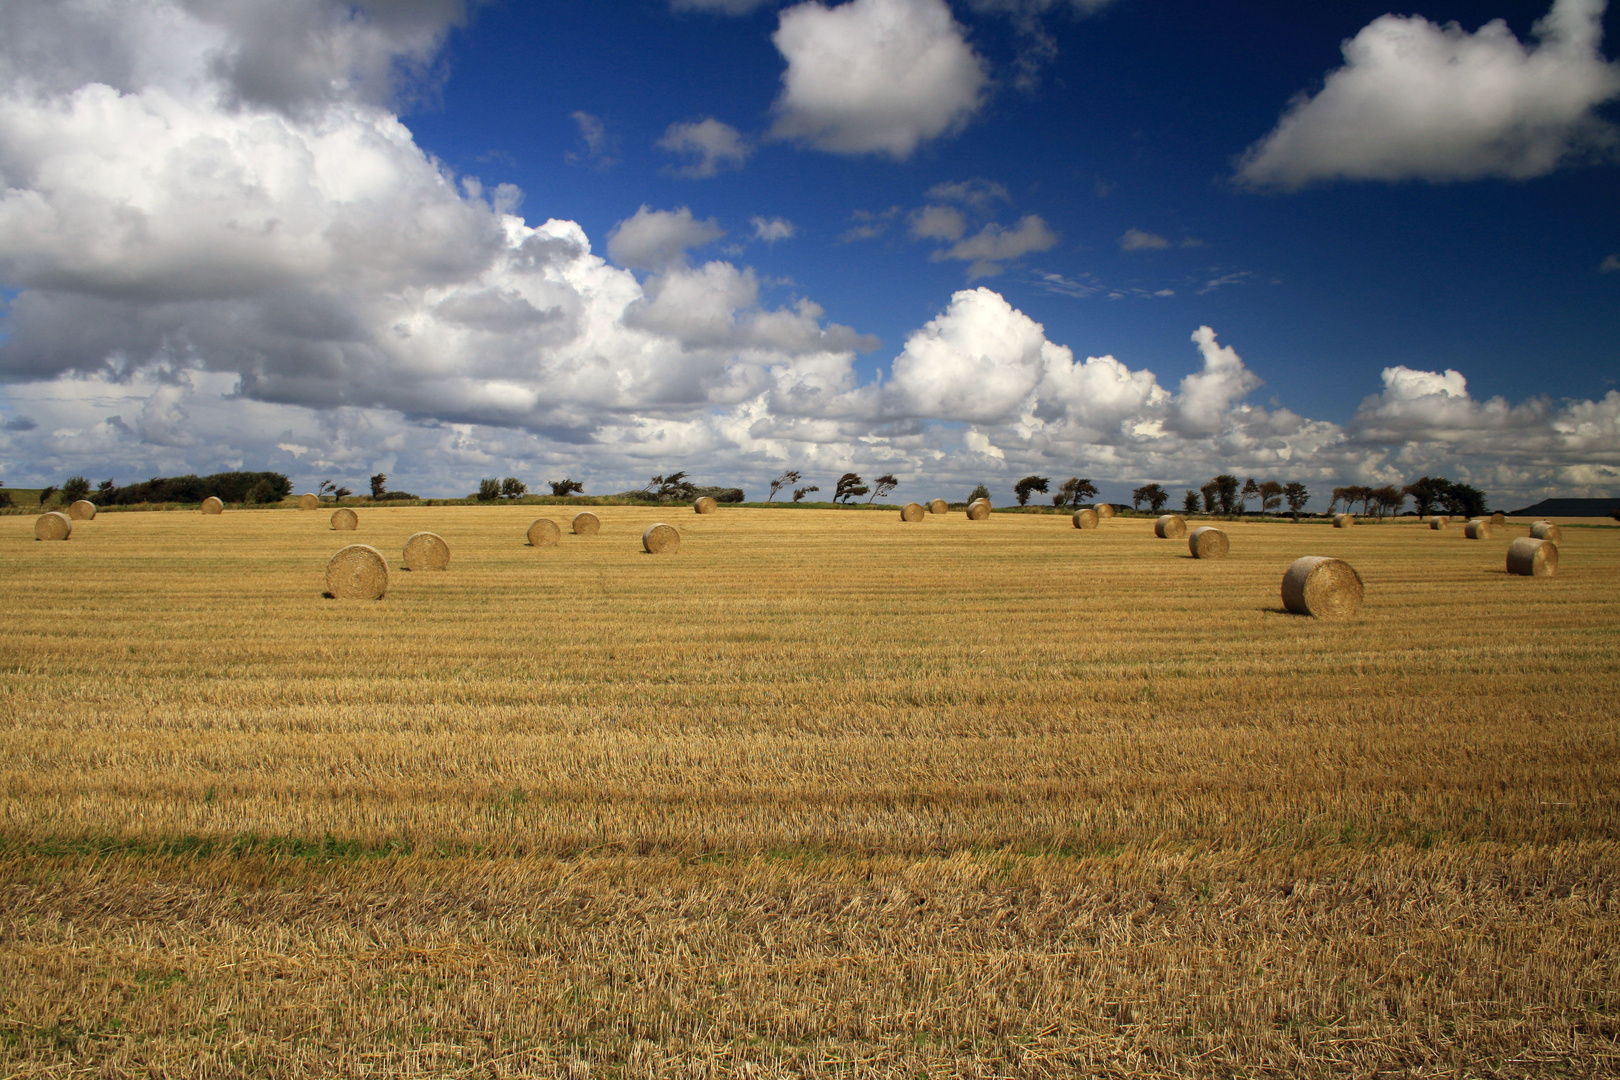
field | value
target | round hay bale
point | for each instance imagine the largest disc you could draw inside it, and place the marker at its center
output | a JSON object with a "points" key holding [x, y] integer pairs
{"points": [[82, 510], [1439, 523], [939, 506], [54, 525], [1531, 557], [1208, 542], [705, 505], [587, 524], [1478, 529], [1085, 518], [1499, 518], [661, 539], [358, 572], [978, 511], [543, 532], [308, 501], [1344, 521], [426, 551], [1546, 530], [212, 505], [1105, 510], [345, 520], [1323, 587], [912, 512], [1170, 527]]}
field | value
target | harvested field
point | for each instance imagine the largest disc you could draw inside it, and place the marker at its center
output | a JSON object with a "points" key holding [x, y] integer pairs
{"points": [[819, 797]]}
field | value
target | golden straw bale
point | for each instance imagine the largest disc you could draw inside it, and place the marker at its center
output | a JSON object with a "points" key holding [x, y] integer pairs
{"points": [[978, 511], [1546, 530], [587, 524], [82, 510], [1326, 588], [1532, 557], [1344, 521], [1478, 529], [1439, 522], [543, 532], [1170, 527], [1208, 542], [426, 551], [912, 512], [1085, 518], [1499, 518], [54, 525], [345, 520], [358, 572], [307, 501], [661, 539], [705, 505], [1105, 510], [939, 506], [212, 505]]}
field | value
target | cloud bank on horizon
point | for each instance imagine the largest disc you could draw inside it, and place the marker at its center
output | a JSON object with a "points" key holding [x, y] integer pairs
{"points": [[227, 250]]}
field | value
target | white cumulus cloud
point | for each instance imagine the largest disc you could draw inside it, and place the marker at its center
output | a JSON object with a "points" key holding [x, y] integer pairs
{"points": [[875, 76], [653, 239], [1419, 101], [992, 247], [710, 145], [773, 229], [1138, 240]]}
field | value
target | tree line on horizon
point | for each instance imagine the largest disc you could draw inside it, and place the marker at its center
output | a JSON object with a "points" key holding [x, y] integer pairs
{"points": [[1223, 494]]}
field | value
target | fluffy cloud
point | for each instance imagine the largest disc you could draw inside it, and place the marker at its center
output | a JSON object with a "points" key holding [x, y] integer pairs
{"points": [[710, 144], [654, 239], [875, 76], [937, 223], [1138, 240], [992, 247], [1420, 101], [773, 229], [599, 144], [211, 272]]}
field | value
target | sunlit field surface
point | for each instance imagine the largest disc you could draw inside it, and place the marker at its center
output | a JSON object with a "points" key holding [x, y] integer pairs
{"points": [[823, 794]]}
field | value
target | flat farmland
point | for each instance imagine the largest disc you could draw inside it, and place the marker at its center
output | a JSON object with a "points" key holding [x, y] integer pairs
{"points": [[822, 794]]}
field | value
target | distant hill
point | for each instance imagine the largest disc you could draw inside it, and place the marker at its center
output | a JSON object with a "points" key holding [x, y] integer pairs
{"points": [[1569, 508]]}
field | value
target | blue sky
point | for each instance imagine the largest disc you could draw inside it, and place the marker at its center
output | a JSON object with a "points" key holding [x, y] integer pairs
{"points": [[888, 235]]}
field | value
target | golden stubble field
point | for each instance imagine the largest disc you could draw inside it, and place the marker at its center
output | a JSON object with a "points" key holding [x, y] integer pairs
{"points": [[824, 794]]}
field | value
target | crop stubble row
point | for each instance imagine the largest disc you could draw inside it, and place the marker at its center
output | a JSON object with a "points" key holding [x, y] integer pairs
{"points": [[1041, 731]]}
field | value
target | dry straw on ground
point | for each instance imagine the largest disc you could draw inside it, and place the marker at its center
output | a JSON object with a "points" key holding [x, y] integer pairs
{"points": [[1085, 518], [54, 525], [543, 532], [1546, 530], [939, 506], [1531, 557], [1478, 529], [1320, 586], [308, 501], [1170, 527], [212, 505], [587, 524], [844, 801], [82, 510], [1439, 523], [978, 510], [426, 551], [705, 505], [358, 572], [1105, 510], [661, 539], [1344, 521], [912, 512], [345, 520], [1208, 542]]}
